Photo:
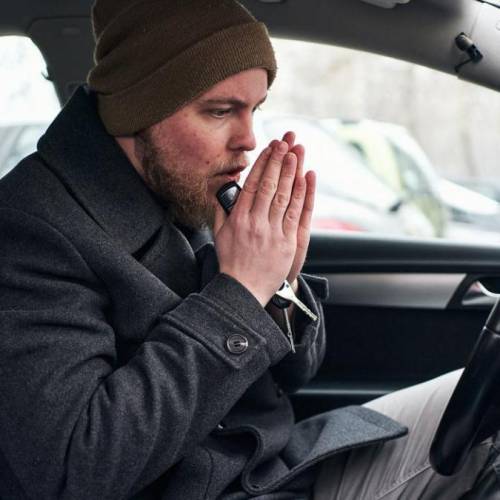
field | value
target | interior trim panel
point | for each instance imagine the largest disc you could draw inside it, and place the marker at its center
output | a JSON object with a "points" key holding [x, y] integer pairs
{"points": [[408, 290]]}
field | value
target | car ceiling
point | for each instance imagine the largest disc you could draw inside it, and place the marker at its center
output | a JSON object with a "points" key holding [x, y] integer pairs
{"points": [[420, 31]]}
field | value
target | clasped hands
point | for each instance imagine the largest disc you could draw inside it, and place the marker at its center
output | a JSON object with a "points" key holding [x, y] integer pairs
{"points": [[265, 239]]}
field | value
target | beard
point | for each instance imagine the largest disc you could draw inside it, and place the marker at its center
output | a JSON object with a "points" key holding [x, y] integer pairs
{"points": [[183, 187]]}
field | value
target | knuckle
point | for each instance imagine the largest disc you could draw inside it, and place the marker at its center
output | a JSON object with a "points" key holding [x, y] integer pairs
{"points": [[275, 162], [292, 215], [258, 236], [301, 186], [268, 186], [250, 186], [281, 200], [237, 218], [287, 173], [256, 228], [298, 194]]}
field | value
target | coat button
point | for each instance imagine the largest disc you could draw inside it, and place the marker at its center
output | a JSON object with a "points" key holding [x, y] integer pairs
{"points": [[237, 344]]}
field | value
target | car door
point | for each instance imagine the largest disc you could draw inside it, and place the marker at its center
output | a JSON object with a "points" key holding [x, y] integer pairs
{"points": [[399, 312]]}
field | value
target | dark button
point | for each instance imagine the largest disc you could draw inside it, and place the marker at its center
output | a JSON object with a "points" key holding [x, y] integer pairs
{"points": [[280, 392], [237, 344]]}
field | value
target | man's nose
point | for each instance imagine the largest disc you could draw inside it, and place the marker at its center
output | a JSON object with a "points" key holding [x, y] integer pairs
{"points": [[243, 136]]}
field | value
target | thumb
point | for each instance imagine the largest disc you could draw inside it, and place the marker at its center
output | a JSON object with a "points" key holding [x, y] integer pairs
{"points": [[220, 218]]}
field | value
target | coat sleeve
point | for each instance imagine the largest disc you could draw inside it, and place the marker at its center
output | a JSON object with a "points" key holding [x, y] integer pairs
{"points": [[298, 368], [76, 425]]}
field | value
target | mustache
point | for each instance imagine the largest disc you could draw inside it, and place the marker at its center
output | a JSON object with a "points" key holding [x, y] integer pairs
{"points": [[239, 163]]}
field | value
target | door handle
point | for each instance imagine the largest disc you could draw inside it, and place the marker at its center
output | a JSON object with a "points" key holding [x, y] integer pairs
{"points": [[480, 293]]}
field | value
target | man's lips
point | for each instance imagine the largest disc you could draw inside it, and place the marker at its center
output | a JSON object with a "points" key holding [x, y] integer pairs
{"points": [[233, 171], [231, 174]]}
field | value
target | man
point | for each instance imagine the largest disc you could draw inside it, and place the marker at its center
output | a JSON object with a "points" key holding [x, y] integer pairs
{"points": [[138, 359]]}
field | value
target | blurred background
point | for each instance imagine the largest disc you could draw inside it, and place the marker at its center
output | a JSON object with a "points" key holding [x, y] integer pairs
{"points": [[399, 149]]}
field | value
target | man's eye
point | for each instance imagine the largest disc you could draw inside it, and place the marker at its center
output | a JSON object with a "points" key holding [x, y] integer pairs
{"points": [[220, 113]]}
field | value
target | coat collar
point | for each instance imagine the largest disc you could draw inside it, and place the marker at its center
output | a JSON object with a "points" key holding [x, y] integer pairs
{"points": [[78, 150]]}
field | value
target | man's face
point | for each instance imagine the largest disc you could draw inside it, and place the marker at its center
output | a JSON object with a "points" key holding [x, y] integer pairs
{"points": [[188, 156]]}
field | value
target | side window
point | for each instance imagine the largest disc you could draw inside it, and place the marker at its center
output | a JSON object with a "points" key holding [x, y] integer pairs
{"points": [[28, 102], [412, 177], [424, 145]]}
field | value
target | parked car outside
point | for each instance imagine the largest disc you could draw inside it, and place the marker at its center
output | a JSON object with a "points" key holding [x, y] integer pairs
{"points": [[473, 215], [350, 196], [489, 187], [397, 159]]}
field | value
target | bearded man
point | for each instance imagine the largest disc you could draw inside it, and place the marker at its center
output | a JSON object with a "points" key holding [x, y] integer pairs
{"points": [[140, 359]]}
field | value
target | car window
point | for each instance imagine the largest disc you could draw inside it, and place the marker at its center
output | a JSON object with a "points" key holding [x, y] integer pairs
{"points": [[412, 178], [28, 101], [337, 165], [431, 140]]}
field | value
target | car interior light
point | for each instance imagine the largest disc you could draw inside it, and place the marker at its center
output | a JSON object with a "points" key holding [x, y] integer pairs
{"points": [[385, 4], [465, 44]]}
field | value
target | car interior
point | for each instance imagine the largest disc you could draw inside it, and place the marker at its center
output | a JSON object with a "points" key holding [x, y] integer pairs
{"points": [[400, 311]]}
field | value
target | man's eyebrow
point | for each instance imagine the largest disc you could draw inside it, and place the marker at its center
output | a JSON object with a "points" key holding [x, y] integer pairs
{"points": [[234, 101]]}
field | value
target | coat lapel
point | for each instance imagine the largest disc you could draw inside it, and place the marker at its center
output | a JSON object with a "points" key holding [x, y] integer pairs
{"points": [[94, 169], [170, 257]]}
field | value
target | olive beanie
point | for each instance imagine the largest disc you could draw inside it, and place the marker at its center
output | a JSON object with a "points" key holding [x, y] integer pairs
{"points": [[154, 56]]}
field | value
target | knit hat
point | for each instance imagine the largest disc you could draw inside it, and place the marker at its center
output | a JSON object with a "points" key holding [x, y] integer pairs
{"points": [[154, 56]]}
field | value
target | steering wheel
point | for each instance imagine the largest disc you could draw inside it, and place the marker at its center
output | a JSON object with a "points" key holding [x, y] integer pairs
{"points": [[473, 412]]}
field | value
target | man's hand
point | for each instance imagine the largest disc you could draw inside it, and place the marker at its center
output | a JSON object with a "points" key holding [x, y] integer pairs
{"points": [[258, 243], [304, 229]]}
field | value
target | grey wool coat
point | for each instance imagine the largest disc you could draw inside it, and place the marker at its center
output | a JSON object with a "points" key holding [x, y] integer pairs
{"points": [[116, 380]]}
